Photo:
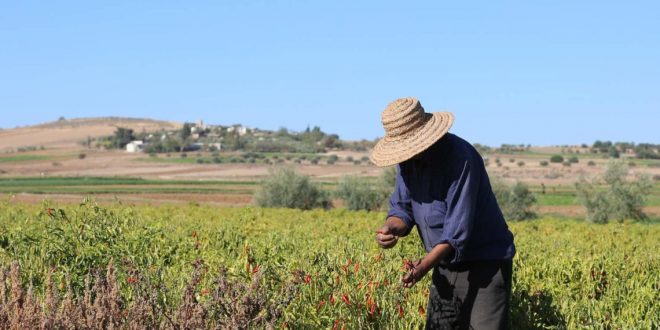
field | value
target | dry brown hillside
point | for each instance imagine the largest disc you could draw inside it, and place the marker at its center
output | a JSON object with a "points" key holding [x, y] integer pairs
{"points": [[69, 133]]}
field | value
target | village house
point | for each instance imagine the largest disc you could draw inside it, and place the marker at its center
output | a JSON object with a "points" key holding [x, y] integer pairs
{"points": [[135, 146]]}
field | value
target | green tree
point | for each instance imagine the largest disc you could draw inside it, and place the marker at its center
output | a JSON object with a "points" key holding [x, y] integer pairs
{"points": [[285, 188], [122, 137], [621, 199], [515, 201]]}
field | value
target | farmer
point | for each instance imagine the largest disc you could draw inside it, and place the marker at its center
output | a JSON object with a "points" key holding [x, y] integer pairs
{"points": [[443, 190]]}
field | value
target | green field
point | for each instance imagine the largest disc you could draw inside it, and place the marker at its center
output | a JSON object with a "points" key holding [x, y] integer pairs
{"points": [[24, 158], [313, 269]]}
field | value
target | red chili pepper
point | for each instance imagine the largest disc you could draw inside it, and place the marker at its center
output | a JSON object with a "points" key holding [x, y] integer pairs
{"points": [[308, 279], [332, 299], [421, 311], [344, 297], [336, 325], [321, 304], [131, 279], [205, 292], [357, 267], [400, 310], [50, 212], [255, 269]]}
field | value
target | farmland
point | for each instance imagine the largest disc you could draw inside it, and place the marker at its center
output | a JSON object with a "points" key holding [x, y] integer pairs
{"points": [[315, 269], [160, 240]]}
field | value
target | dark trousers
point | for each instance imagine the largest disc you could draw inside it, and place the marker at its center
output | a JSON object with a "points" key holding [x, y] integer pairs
{"points": [[473, 295]]}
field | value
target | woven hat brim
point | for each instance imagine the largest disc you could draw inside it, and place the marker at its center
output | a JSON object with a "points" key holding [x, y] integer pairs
{"points": [[391, 152]]}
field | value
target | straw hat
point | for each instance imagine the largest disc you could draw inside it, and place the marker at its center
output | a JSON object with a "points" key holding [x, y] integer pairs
{"points": [[408, 131]]}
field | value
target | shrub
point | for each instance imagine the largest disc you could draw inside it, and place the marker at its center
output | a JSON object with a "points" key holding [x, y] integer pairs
{"points": [[521, 163], [217, 160], [359, 193], [556, 159], [184, 155], [330, 161], [82, 156], [591, 163], [573, 160], [543, 163], [285, 188], [567, 164], [515, 201], [200, 160], [364, 159], [333, 158], [357, 162], [511, 160], [621, 199]]}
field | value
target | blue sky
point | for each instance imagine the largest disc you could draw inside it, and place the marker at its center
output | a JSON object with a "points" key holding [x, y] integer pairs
{"points": [[539, 72]]}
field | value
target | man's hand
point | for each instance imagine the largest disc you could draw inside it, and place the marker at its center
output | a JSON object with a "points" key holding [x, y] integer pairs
{"points": [[385, 238], [415, 272]]}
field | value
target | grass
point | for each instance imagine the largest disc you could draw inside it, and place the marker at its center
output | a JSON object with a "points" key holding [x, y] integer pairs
{"points": [[23, 158]]}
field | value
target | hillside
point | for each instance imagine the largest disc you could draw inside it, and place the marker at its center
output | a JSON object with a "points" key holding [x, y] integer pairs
{"points": [[68, 133]]}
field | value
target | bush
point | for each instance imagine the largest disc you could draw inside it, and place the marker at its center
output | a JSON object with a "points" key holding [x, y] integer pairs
{"points": [[591, 163], [82, 156], [359, 193], [200, 160], [543, 163], [556, 159], [573, 160], [285, 188], [567, 164], [184, 155], [511, 160], [515, 201], [521, 163], [621, 199], [217, 160], [349, 159]]}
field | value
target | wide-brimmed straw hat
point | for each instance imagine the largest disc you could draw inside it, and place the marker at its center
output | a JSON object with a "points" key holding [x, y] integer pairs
{"points": [[408, 131]]}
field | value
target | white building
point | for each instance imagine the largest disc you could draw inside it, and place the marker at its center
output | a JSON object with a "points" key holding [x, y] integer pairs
{"points": [[135, 146]]}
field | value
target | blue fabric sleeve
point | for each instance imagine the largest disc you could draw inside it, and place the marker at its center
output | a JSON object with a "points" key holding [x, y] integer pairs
{"points": [[461, 201], [400, 202]]}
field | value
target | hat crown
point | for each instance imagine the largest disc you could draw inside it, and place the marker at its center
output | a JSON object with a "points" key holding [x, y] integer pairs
{"points": [[402, 117]]}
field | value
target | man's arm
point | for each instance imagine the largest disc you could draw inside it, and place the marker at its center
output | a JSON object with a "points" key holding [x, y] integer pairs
{"points": [[399, 219]]}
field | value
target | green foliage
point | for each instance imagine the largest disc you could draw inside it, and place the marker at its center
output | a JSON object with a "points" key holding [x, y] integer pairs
{"points": [[613, 152], [515, 201], [556, 159], [360, 193], [122, 137], [567, 274], [186, 131], [573, 160], [285, 188], [543, 163], [591, 163], [620, 199]]}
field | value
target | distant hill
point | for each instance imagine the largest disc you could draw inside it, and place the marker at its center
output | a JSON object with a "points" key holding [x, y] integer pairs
{"points": [[69, 133]]}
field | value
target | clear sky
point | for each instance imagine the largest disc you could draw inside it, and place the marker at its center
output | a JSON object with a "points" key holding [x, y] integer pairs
{"points": [[539, 72]]}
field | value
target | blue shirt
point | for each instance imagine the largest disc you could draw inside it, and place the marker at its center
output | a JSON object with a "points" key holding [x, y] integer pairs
{"points": [[446, 194]]}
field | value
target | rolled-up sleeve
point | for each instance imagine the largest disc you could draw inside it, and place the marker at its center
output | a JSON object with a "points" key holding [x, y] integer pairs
{"points": [[461, 201], [400, 202]]}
